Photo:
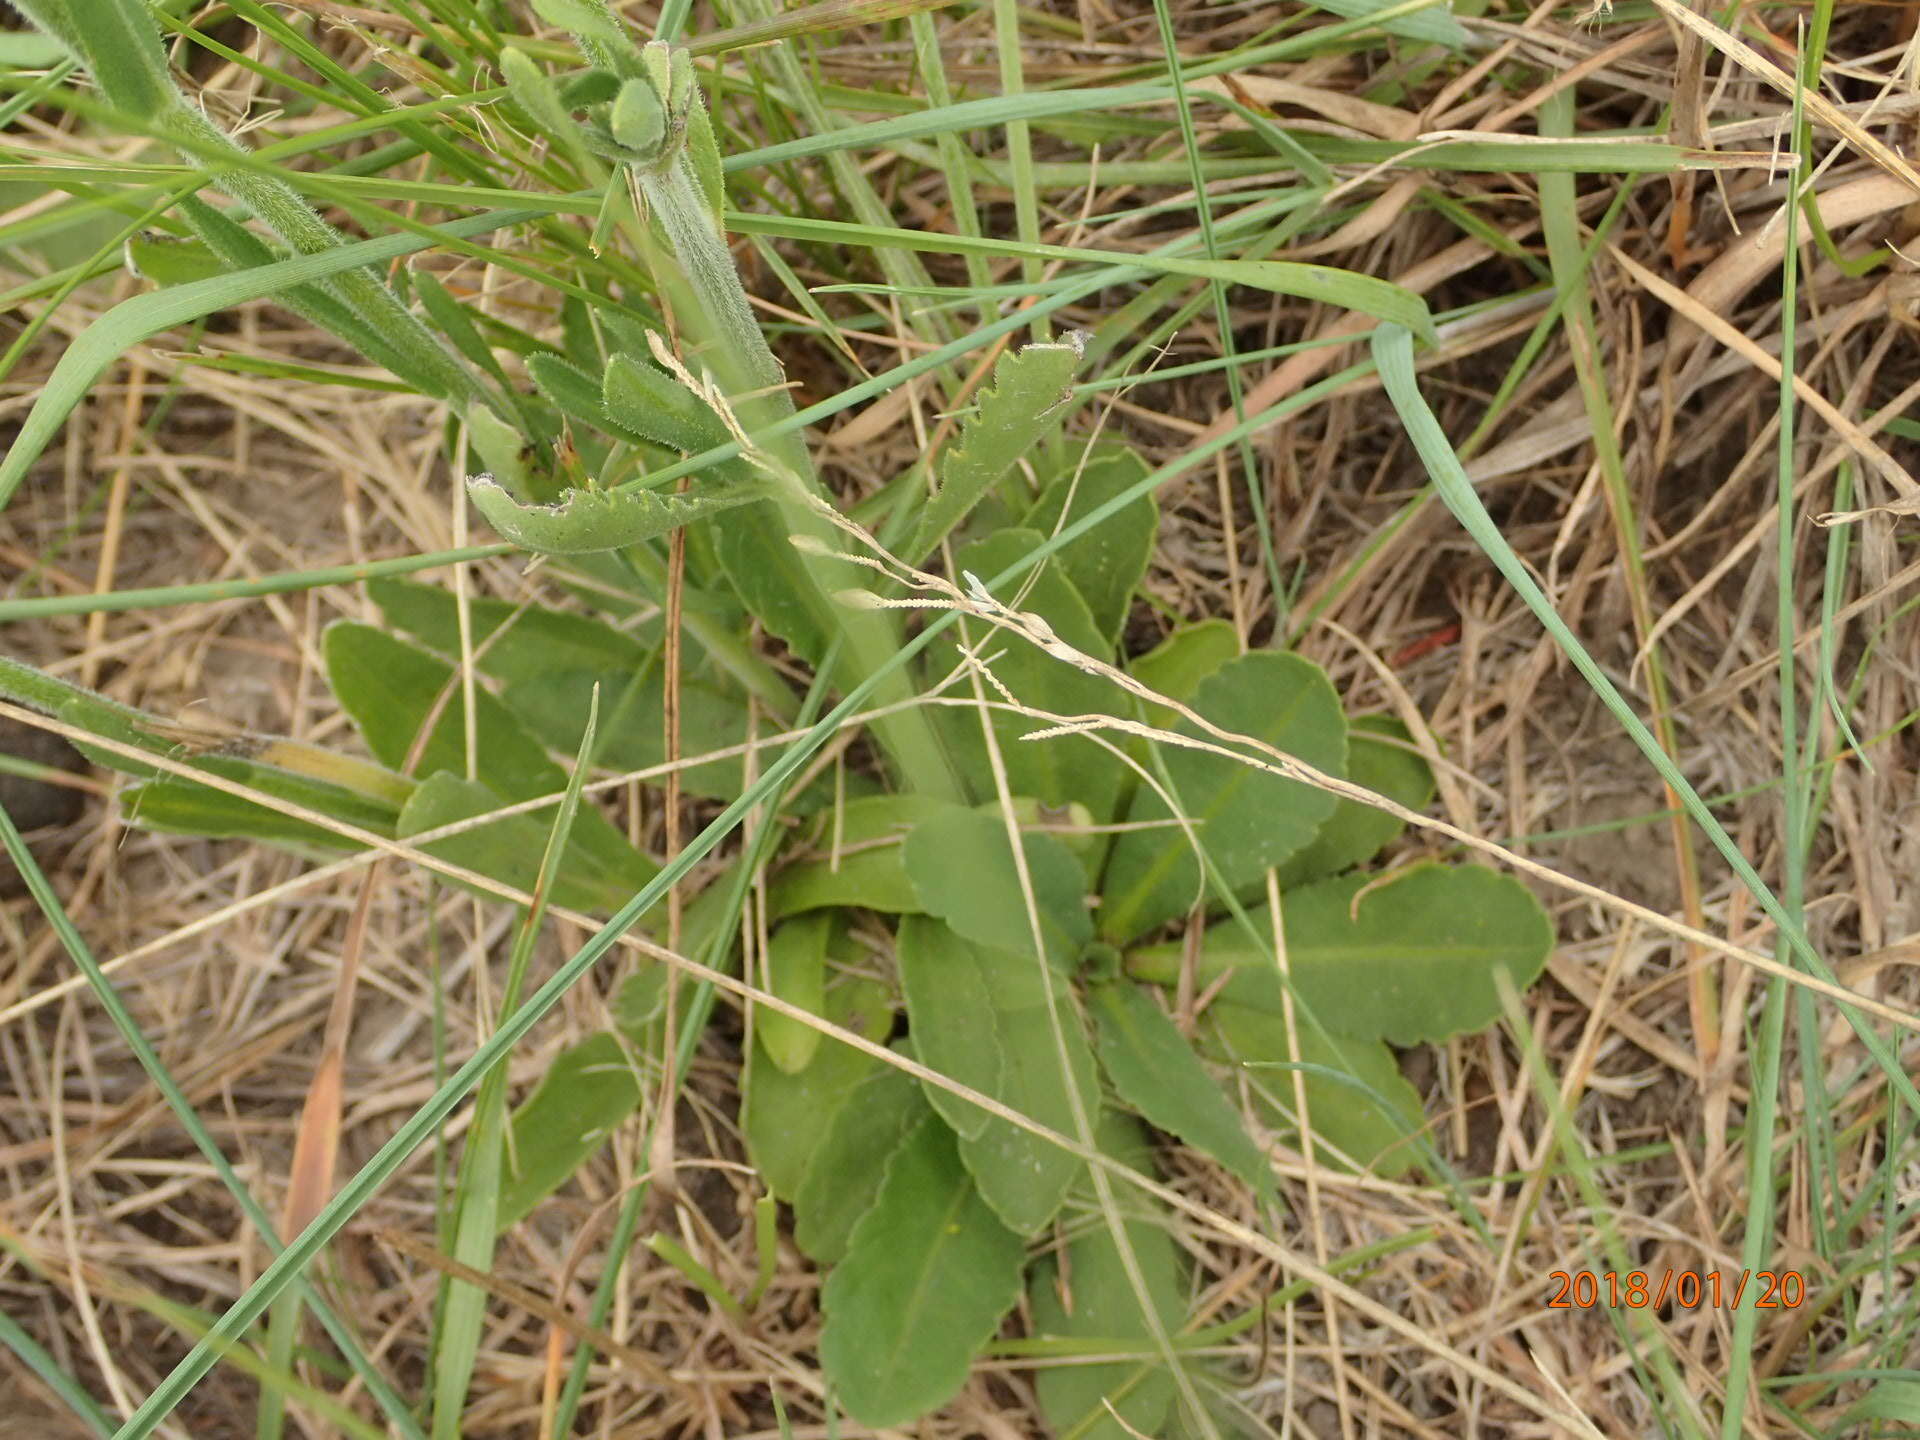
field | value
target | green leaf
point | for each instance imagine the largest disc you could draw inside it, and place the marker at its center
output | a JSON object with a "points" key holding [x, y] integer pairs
{"points": [[1355, 833], [1025, 402], [1062, 770], [1106, 1311], [589, 1091], [951, 1011], [844, 1179], [602, 869], [1246, 819], [538, 643], [928, 1275], [587, 520], [861, 864], [1178, 664], [1409, 957], [649, 402], [1154, 1070], [1003, 1044], [1107, 563], [391, 689], [1357, 1099], [548, 662], [576, 395], [786, 1118], [183, 807], [797, 974], [963, 870], [171, 260], [771, 577]]}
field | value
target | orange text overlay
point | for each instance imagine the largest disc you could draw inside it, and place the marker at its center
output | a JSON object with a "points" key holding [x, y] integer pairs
{"points": [[1684, 1289]]}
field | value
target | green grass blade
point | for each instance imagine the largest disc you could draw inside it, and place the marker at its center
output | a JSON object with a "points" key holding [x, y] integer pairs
{"points": [[1393, 353], [480, 1169]]}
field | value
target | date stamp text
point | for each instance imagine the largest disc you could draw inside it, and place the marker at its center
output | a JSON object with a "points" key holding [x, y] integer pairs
{"points": [[1683, 1289]]}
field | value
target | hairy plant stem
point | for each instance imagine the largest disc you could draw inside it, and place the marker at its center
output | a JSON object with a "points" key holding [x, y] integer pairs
{"points": [[710, 306]]}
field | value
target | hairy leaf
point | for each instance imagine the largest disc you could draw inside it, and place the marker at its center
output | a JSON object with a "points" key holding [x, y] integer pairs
{"points": [[587, 520], [1023, 404]]}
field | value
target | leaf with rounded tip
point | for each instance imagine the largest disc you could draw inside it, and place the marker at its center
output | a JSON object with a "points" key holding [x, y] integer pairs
{"points": [[860, 860], [797, 974], [786, 1117], [1107, 563], [1355, 833], [1154, 1070], [583, 521], [1246, 818], [982, 1017], [1177, 665], [844, 1178], [963, 870], [928, 1275], [1358, 1102], [1409, 956]]}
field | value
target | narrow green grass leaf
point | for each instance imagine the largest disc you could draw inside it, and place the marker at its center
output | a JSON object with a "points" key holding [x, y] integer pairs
{"points": [[929, 1273], [482, 1167], [145, 316], [1154, 1070], [1247, 820], [1322, 283]]}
